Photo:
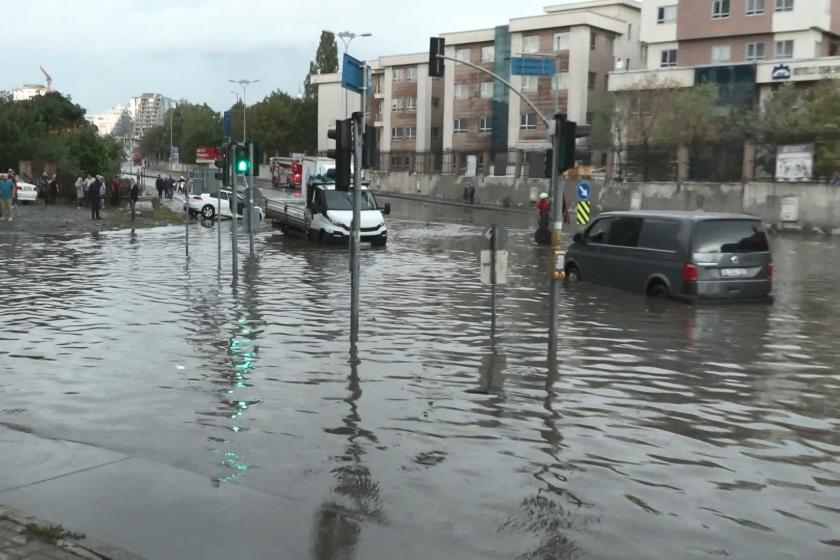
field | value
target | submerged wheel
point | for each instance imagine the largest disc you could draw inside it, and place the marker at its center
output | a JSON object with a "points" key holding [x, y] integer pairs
{"points": [[208, 212], [657, 289], [572, 274]]}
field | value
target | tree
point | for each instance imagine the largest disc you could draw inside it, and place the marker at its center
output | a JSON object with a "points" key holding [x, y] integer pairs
{"points": [[326, 61]]}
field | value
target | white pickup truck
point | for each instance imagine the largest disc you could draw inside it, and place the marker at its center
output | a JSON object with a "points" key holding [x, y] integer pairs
{"points": [[327, 213]]}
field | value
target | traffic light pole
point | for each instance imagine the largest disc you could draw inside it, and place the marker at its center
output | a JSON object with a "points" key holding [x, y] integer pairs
{"points": [[249, 187], [355, 228], [557, 179], [235, 213]]}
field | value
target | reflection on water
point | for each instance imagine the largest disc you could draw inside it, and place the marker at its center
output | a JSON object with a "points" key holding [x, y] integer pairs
{"points": [[652, 430]]}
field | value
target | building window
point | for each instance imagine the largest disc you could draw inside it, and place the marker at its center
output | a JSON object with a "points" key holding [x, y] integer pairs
{"points": [[463, 54], [784, 49], [531, 44], [721, 53], [669, 58], [560, 81], [378, 84], [398, 74], [611, 45], [755, 7], [720, 9], [592, 78], [396, 134], [784, 5], [755, 51], [528, 121], [462, 91], [593, 40], [435, 133], [529, 83], [486, 90], [380, 106], [435, 103], [460, 126], [397, 104], [666, 14], [488, 54], [411, 103], [484, 124], [561, 41], [606, 82], [411, 74], [411, 133]]}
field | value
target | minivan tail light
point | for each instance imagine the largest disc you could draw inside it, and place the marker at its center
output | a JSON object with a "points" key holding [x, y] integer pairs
{"points": [[689, 273], [769, 270]]}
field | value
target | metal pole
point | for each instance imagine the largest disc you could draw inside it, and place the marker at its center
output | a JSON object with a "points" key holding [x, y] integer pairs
{"points": [[355, 230], [219, 187], [187, 190], [249, 187], [244, 111], [493, 238], [556, 180], [232, 200]]}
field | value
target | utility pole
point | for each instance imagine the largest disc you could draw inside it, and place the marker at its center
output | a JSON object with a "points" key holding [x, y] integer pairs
{"points": [[244, 84], [249, 188], [355, 229], [347, 38], [557, 156]]}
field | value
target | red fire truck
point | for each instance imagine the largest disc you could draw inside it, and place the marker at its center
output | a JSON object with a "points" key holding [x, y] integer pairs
{"points": [[286, 172]]}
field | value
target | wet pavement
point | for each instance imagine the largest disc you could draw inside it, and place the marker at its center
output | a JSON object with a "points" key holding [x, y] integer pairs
{"points": [[243, 418]]}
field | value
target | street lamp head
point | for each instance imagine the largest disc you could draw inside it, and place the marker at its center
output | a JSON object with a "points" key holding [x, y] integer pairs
{"points": [[366, 35]]}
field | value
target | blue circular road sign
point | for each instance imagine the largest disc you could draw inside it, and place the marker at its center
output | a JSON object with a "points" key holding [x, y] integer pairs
{"points": [[584, 191]]}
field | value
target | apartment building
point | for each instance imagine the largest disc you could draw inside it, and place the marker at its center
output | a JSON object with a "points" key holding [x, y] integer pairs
{"points": [[405, 108], [28, 91], [586, 40], [679, 33], [148, 110]]}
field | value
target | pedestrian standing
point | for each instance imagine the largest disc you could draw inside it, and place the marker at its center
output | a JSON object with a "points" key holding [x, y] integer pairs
{"points": [[52, 194], [42, 191], [94, 197], [13, 179], [133, 195], [835, 179], [159, 186], [115, 191], [7, 190], [80, 191]]}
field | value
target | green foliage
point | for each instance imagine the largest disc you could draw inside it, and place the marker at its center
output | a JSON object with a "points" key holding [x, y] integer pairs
{"points": [[193, 125], [52, 128], [326, 62]]}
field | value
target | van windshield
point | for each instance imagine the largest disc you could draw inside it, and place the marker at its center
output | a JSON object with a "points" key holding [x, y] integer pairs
{"points": [[343, 200], [730, 236]]}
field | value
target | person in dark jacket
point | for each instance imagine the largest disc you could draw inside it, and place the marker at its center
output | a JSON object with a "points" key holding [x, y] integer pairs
{"points": [[52, 194], [159, 186], [133, 195], [94, 198]]}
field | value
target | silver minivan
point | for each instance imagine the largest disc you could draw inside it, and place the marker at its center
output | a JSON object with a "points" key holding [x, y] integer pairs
{"points": [[684, 255]]}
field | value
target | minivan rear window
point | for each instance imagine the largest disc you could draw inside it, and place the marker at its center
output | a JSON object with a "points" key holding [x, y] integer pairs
{"points": [[730, 236]]}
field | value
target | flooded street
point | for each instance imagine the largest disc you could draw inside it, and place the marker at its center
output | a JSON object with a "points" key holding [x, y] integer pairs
{"points": [[662, 431]]}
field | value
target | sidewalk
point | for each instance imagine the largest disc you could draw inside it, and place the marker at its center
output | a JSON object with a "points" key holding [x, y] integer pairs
{"points": [[22, 537]]}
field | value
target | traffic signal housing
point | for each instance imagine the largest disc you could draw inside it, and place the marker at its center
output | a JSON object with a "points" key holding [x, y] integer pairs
{"points": [[369, 149], [342, 153], [437, 46], [221, 164], [241, 161]]}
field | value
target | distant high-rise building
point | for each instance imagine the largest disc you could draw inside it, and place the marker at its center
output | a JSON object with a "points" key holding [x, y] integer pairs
{"points": [[148, 110], [117, 121]]}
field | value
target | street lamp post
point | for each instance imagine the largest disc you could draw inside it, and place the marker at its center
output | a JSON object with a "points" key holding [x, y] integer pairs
{"points": [[244, 84], [347, 38]]}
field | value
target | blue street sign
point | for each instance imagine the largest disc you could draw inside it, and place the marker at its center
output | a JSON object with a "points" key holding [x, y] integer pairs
{"points": [[228, 125], [351, 75], [531, 66], [584, 190]]}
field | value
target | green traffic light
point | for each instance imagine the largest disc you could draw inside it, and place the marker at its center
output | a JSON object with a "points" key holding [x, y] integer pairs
{"points": [[242, 165]]}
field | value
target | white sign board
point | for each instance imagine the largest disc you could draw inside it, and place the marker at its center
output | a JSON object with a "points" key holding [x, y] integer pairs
{"points": [[472, 166], [174, 157], [790, 209], [501, 267], [795, 162]]}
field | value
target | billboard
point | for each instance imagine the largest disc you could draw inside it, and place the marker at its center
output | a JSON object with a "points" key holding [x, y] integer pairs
{"points": [[795, 162], [206, 154]]}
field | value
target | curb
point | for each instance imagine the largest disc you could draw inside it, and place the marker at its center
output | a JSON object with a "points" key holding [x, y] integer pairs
{"points": [[86, 548]]}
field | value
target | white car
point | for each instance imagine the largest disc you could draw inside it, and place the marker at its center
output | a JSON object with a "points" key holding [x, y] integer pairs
{"points": [[26, 192], [206, 204]]}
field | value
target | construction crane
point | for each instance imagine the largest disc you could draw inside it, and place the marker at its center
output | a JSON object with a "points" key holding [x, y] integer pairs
{"points": [[49, 79]]}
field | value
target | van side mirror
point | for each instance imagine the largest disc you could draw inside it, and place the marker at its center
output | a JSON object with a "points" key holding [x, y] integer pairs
{"points": [[578, 238]]}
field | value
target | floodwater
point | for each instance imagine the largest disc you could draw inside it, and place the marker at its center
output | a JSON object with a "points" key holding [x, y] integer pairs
{"points": [[662, 431]]}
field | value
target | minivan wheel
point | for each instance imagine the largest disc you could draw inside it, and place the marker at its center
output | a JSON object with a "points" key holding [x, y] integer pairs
{"points": [[657, 289], [572, 274]]}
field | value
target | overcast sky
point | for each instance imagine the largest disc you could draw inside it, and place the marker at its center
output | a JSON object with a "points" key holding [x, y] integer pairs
{"points": [[103, 52]]}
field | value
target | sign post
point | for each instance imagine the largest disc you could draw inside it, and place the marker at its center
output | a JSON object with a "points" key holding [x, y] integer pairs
{"points": [[494, 264]]}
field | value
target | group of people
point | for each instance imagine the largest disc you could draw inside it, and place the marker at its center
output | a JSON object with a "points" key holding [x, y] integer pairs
{"points": [[91, 191], [167, 187], [47, 189]]}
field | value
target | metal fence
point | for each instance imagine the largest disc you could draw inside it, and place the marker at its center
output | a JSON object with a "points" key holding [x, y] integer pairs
{"points": [[511, 163]]}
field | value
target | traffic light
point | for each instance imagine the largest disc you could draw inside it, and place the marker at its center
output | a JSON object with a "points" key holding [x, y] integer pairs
{"points": [[369, 149], [242, 160], [222, 164], [568, 158], [549, 159], [437, 46], [343, 152]]}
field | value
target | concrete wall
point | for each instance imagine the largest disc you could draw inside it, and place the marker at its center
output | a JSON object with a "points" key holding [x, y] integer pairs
{"points": [[819, 204]]}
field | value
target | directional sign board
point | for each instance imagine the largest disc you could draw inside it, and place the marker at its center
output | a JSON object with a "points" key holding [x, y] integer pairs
{"points": [[501, 267], [352, 77], [584, 191], [501, 236], [228, 125], [531, 66]]}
